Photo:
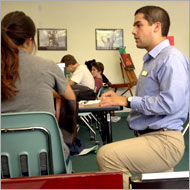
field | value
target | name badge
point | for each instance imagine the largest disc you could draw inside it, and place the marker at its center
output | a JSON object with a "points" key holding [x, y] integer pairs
{"points": [[144, 73]]}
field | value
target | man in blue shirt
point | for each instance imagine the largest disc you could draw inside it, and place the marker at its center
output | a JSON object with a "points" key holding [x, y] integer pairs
{"points": [[159, 107]]}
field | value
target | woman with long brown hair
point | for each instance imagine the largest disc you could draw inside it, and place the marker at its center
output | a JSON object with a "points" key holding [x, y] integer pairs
{"points": [[27, 81]]}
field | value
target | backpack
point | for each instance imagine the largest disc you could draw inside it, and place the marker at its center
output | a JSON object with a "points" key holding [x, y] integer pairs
{"points": [[83, 92], [76, 147]]}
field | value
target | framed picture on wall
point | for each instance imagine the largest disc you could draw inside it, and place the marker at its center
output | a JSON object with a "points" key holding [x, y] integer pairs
{"points": [[108, 39], [52, 39]]}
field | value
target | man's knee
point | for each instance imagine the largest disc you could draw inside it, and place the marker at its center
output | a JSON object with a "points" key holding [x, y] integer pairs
{"points": [[101, 154]]}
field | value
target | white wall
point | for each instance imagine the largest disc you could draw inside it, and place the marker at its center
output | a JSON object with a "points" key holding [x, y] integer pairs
{"points": [[81, 18]]}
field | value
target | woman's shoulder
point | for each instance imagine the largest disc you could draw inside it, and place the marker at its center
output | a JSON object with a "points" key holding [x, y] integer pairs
{"points": [[34, 59]]}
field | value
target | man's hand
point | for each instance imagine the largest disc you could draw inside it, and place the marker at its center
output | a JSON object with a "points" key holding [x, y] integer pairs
{"points": [[110, 98]]}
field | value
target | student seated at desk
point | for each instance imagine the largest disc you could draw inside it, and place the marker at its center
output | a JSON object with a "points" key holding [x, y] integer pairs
{"points": [[97, 71], [81, 79], [27, 81], [80, 73], [104, 78]]}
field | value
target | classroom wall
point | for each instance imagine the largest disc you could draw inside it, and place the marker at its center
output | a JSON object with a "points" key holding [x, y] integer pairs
{"points": [[81, 18]]}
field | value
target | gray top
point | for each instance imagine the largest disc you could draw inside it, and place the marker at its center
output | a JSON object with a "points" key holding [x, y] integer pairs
{"points": [[37, 79]]}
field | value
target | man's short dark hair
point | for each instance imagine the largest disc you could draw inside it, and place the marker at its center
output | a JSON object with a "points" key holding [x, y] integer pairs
{"points": [[68, 60], [156, 14]]}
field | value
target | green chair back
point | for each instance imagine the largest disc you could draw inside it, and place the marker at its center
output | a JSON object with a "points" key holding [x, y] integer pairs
{"points": [[100, 92], [31, 145]]}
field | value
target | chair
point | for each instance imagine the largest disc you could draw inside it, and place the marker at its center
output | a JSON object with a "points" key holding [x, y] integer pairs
{"points": [[185, 126], [100, 92], [31, 145]]}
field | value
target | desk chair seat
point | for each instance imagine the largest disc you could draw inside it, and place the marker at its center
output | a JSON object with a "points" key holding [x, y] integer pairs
{"points": [[32, 145]]}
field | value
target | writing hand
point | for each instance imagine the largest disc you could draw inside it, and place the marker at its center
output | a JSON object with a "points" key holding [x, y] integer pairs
{"points": [[110, 98]]}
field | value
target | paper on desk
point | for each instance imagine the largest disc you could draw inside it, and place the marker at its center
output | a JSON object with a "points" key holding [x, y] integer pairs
{"points": [[87, 150], [89, 102]]}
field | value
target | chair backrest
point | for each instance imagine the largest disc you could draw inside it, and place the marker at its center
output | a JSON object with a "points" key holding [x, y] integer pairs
{"points": [[31, 145], [100, 92], [95, 88]]}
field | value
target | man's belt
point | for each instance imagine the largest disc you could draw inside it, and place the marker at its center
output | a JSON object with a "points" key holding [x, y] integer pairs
{"points": [[141, 132]]}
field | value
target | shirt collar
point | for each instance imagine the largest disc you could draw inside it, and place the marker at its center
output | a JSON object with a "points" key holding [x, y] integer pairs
{"points": [[156, 50]]}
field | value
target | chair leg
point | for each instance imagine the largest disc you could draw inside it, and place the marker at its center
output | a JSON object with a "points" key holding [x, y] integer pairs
{"points": [[85, 120], [99, 123]]}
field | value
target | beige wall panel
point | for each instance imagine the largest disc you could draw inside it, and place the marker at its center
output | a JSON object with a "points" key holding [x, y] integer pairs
{"points": [[81, 18]]}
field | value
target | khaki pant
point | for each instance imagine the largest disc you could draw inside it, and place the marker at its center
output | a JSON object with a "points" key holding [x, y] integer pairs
{"points": [[149, 153]]}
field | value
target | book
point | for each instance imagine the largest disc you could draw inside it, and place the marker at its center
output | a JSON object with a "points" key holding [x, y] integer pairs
{"points": [[89, 103], [88, 150]]}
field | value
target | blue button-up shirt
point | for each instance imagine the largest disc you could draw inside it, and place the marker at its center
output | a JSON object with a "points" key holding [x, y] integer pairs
{"points": [[162, 93]]}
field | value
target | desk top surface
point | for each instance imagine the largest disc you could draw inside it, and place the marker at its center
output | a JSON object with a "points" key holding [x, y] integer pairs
{"points": [[97, 108]]}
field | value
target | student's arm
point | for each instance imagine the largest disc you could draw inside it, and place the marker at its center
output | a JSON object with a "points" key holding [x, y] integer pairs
{"points": [[69, 94], [55, 94], [71, 83]]}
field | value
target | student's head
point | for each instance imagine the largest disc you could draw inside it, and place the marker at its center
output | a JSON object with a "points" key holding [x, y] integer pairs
{"points": [[151, 26], [97, 69], [69, 61], [17, 31], [18, 27]]}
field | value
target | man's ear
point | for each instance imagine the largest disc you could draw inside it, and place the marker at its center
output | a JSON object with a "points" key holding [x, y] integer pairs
{"points": [[157, 27]]}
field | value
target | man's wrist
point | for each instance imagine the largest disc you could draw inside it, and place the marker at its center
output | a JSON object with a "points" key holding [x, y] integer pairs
{"points": [[129, 102], [124, 101]]}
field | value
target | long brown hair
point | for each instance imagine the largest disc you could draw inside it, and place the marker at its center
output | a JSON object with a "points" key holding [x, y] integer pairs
{"points": [[16, 27]]}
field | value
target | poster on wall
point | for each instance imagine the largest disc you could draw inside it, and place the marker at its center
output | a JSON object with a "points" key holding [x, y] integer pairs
{"points": [[52, 39], [109, 39]]}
